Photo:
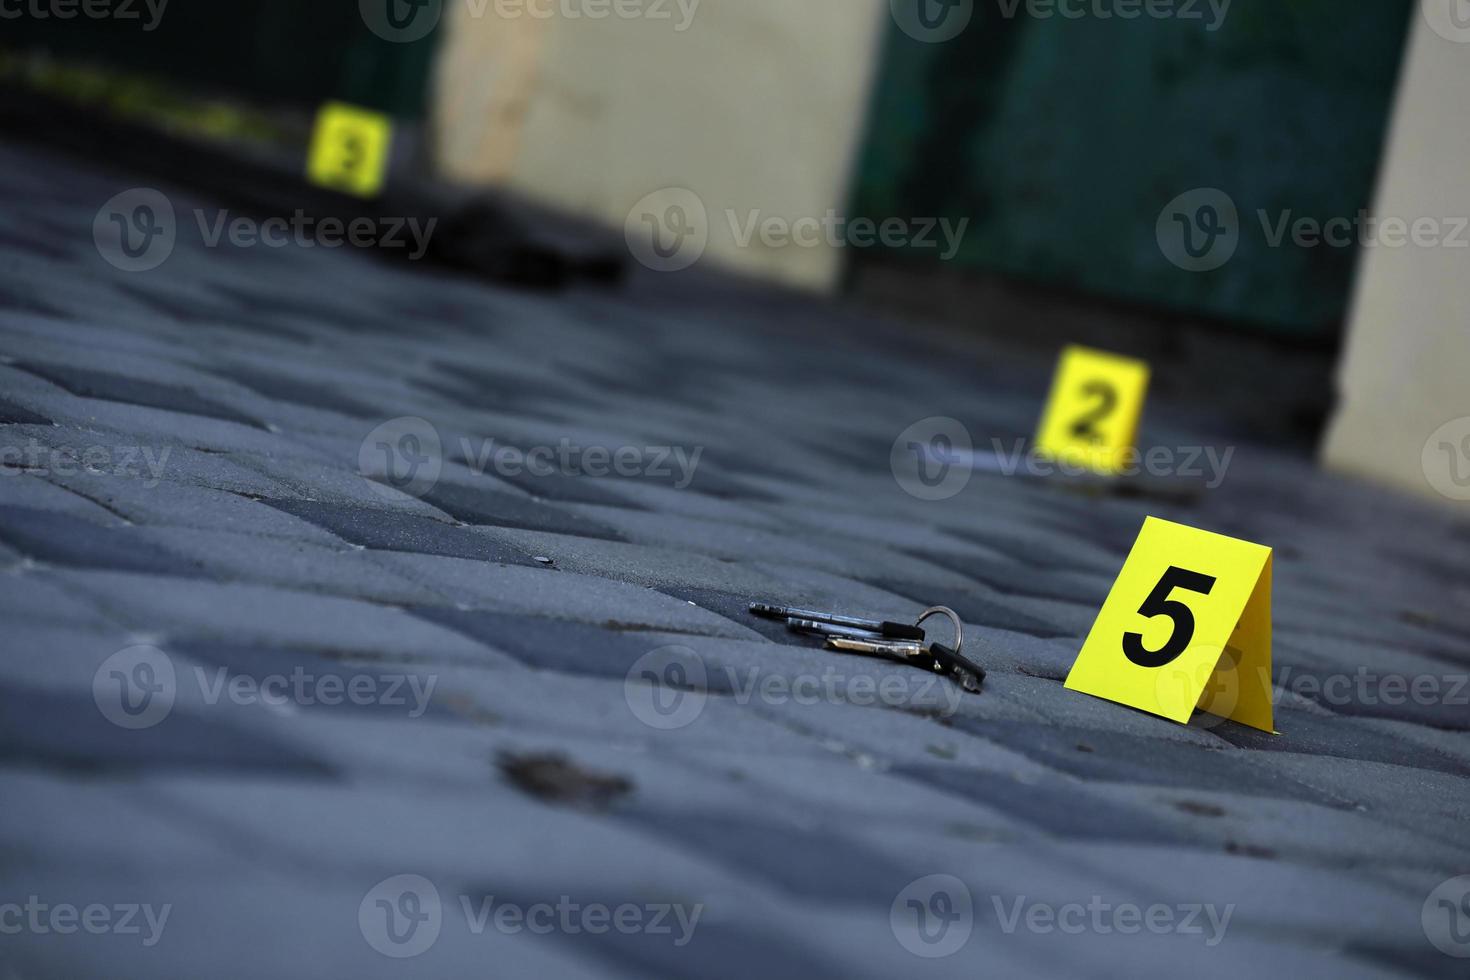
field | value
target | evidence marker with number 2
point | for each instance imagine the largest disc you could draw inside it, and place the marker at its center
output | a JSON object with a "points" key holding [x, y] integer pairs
{"points": [[1092, 414], [1187, 625]]}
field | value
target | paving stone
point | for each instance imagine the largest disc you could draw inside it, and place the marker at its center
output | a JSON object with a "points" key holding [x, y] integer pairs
{"points": [[59, 539], [280, 387], [193, 507], [806, 789], [19, 489], [556, 594], [1340, 737], [474, 505], [1151, 762], [548, 644], [183, 608], [638, 564], [974, 608], [69, 733], [312, 480], [26, 596], [227, 556], [134, 391], [385, 530], [12, 414], [56, 819], [271, 918]]}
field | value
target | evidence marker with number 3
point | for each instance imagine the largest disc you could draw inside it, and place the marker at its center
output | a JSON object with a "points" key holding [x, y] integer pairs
{"points": [[1092, 414], [349, 149], [1187, 625]]}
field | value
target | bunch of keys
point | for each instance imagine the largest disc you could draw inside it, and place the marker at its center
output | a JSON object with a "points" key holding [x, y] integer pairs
{"points": [[883, 638]]}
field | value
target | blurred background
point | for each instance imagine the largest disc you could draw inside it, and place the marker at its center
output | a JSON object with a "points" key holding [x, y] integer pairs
{"points": [[1260, 197]]}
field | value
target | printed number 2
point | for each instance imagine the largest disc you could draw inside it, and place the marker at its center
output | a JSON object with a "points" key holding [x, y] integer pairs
{"points": [[1086, 426], [1158, 603]]}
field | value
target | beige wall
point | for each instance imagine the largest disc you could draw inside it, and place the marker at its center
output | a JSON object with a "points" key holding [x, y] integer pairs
{"points": [[1407, 369], [757, 105]]}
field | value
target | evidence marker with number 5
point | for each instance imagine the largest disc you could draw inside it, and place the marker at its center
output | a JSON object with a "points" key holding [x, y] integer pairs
{"points": [[1186, 625], [1091, 418]]}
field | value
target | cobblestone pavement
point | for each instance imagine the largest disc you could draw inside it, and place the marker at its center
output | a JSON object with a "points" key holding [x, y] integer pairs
{"points": [[246, 690]]}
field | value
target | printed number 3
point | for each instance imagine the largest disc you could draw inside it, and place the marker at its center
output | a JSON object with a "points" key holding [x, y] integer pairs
{"points": [[1158, 603], [352, 144]]}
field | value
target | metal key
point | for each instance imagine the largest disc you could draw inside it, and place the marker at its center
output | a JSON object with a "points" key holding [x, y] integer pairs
{"points": [[904, 651], [884, 628], [934, 657]]}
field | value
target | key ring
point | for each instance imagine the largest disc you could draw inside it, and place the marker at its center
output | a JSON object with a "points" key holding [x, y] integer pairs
{"points": [[954, 617]]}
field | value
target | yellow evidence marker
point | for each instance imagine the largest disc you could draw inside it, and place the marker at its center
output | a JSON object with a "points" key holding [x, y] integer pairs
{"points": [[1187, 625], [349, 149], [1091, 417]]}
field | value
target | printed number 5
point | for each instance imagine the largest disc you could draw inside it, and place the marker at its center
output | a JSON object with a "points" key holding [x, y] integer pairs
{"points": [[1158, 603]]}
